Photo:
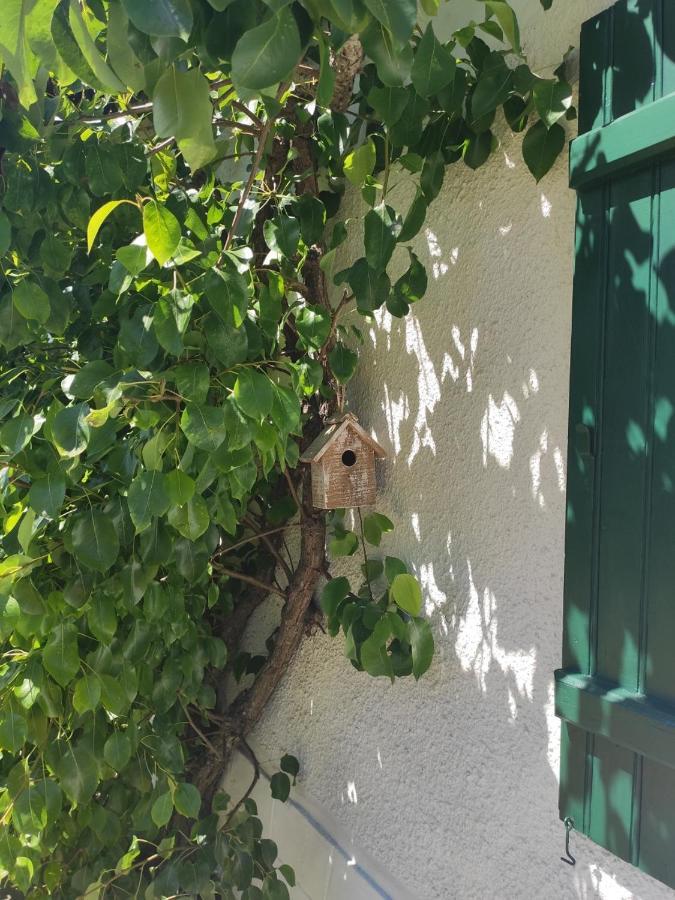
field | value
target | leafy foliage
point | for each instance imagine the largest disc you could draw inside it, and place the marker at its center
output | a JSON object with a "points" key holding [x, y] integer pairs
{"points": [[171, 332]]}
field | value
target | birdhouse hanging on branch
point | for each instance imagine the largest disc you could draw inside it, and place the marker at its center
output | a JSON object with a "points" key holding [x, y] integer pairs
{"points": [[343, 465]]}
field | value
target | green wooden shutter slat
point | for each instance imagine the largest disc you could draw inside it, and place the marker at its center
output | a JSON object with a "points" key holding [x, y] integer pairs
{"points": [[636, 722], [616, 691], [624, 427], [593, 70], [634, 52], [657, 831], [659, 678], [588, 330], [634, 140]]}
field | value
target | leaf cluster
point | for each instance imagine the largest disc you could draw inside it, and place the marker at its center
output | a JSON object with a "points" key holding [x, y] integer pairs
{"points": [[175, 325]]}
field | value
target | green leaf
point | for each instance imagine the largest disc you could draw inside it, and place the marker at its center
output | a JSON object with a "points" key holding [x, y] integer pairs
{"points": [[162, 810], [70, 430], [182, 109], [493, 89], [60, 656], [99, 218], [552, 99], [394, 567], [397, 16], [389, 104], [380, 231], [312, 216], [77, 772], [267, 54], [164, 18], [333, 594], [434, 65], [254, 393], [31, 301], [326, 85], [191, 519], [393, 62], [102, 619], [117, 750], [421, 644], [370, 288], [313, 324], [290, 765], [414, 219], [508, 21], [162, 231], [5, 233], [431, 179], [541, 147], [87, 693], [187, 800], [406, 593], [46, 495], [14, 49], [79, 28], [203, 426], [94, 541], [280, 785], [374, 656], [412, 285], [180, 487], [478, 148], [83, 385], [282, 235], [113, 695], [343, 544], [273, 889], [343, 362], [147, 497], [228, 296], [135, 256], [359, 164], [374, 526], [13, 732], [16, 434], [128, 67]]}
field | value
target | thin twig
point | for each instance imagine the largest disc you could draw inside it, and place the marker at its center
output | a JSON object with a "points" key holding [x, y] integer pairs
{"points": [[262, 141], [198, 730], [249, 579], [253, 759], [161, 146], [258, 122], [294, 493], [256, 537], [365, 555]]}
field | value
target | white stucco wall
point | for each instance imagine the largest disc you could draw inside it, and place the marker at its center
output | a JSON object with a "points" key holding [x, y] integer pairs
{"points": [[451, 784]]}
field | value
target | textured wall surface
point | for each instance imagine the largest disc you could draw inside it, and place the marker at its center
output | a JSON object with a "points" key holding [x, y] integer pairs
{"points": [[451, 784]]}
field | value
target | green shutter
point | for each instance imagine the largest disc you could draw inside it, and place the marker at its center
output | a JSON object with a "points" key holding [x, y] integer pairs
{"points": [[616, 691]]}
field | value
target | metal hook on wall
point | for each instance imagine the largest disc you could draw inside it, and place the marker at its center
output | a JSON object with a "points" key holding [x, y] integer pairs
{"points": [[568, 858]]}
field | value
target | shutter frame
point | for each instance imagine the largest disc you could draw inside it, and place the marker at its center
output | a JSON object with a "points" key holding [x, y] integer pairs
{"points": [[613, 694]]}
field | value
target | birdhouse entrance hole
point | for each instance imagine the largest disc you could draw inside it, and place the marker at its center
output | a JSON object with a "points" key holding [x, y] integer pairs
{"points": [[348, 458]]}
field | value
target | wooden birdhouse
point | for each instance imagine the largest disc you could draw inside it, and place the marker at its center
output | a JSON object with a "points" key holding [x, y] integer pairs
{"points": [[343, 465]]}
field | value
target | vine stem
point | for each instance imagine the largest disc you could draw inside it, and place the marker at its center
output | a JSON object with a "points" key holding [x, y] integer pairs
{"points": [[365, 554]]}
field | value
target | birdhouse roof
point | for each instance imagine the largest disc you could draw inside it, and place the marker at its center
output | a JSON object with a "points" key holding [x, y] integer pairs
{"points": [[348, 422]]}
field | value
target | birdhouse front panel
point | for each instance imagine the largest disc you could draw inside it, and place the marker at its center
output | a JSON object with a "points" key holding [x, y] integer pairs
{"points": [[343, 465], [345, 474]]}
